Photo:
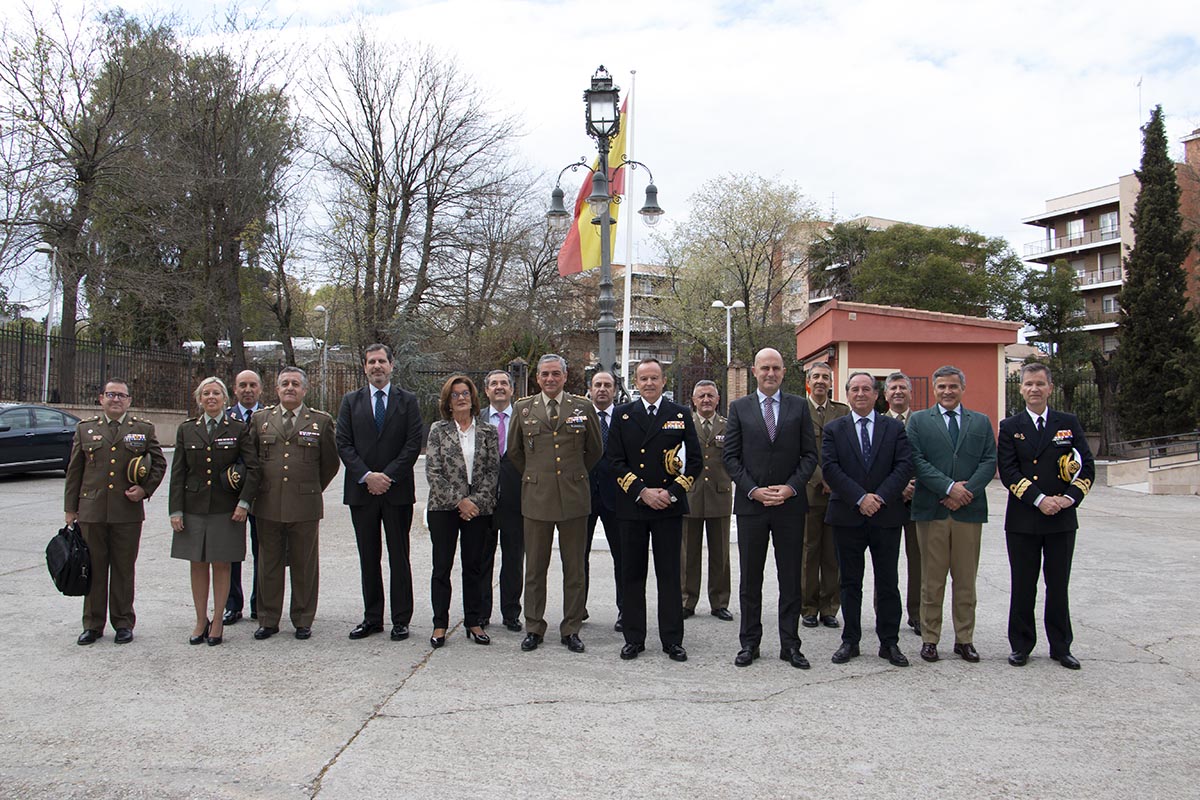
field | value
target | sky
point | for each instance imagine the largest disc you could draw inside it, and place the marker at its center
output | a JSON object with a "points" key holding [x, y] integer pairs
{"points": [[938, 113]]}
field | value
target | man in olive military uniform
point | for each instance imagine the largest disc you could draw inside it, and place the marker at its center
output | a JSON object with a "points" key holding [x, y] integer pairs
{"points": [[297, 459], [115, 464], [820, 593], [554, 441], [710, 502]]}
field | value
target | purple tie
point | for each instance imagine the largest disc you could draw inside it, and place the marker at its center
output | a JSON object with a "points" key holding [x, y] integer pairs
{"points": [[866, 440], [769, 417], [502, 431]]}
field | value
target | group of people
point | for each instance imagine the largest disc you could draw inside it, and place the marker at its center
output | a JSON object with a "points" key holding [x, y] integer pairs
{"points": [[822, 481]]}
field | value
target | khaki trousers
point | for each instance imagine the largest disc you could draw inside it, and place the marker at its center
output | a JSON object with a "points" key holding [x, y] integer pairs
{"points": [[114, 551], [948, 545], [719, 583], [293, 545], [820, 593], [572, 549]]}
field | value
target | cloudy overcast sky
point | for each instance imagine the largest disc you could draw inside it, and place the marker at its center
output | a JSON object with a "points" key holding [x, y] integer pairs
{"points": [[938, 113]]}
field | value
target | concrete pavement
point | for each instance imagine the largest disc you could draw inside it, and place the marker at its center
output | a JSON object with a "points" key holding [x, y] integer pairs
{"points": [[332, 718]]}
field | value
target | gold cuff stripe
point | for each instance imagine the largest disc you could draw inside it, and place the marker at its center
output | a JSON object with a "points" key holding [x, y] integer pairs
{"points": [[626, 481], [1020, 487], [686, 482], [1084, 484]]}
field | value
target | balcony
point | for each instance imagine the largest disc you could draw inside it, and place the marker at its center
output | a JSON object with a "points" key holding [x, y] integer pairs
{"points": [[1098, 276], [1085, 239]]}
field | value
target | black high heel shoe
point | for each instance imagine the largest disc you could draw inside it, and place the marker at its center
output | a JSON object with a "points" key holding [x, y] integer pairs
{"points": [[478, 638], [213, 641], [437, 641], [203, 636]]}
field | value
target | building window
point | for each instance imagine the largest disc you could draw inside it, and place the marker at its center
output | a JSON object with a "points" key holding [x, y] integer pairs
{"points": [[1111, 306], [1108, 343], [1075, 229], [1108, 224], [1110, 267]]}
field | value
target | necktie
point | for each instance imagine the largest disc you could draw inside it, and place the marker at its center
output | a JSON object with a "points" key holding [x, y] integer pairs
{"points": [[502, 431], [1041, 429], [769, 417], [604, 428], [288, 423], [708, 429], [650, 411], [379, 409], [953, 426], [866, 439], [821, 416], [212, 426], [552, 408], [114, 428], [900, 418]]}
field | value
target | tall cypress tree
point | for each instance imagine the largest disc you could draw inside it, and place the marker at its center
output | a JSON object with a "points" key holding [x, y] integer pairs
{"points": [[1156, 324]]}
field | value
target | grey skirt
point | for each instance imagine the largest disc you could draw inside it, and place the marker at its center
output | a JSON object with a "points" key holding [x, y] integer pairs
{"points": [[210, 537]]}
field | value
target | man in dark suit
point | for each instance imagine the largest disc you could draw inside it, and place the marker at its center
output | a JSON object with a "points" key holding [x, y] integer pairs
{"points": [[866, 460], [1048, 468], [770, 453], [508, 529], [644, 447], [247, 387], [604, 491], [379, 440]]}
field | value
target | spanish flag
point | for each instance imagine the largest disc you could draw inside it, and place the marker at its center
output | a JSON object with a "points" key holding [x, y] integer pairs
{"points": [[581, 250]]}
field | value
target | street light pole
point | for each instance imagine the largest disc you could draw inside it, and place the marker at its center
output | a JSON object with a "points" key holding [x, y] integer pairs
{"points": [[324, 358], [728, 325], [52, 252]]}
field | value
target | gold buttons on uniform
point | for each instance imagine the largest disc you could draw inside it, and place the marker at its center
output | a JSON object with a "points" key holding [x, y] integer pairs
{"points": [[112, 461], [641, 466], [1035, 461], [285, 455], [112, 474], [643, 451], [1035, 477], [110, 486], [208, 483], [285, 478], [114, 449]]}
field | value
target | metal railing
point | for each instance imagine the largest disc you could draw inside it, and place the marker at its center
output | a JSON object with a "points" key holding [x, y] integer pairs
{"points": [[1091, 277], [1179, 448], [1094, 236]]}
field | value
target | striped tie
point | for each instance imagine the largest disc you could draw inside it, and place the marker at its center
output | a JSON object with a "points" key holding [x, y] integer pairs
{"points": [[769, 417]]}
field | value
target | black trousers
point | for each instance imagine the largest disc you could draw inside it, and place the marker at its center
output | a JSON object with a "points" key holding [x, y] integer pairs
{"points": [[237, 600], [851, 545], [665, 535], [445, 529], [786, 532], [1025, 560], [612, 532], [507, 530], [396, 521]]}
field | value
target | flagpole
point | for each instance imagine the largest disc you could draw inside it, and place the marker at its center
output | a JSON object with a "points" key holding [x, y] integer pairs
{"points": [[625, 318]]}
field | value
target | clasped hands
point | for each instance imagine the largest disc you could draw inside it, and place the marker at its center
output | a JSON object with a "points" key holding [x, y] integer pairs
{"points": [[775, 495], [467, 509], [958, 497], [870, 504], [1052, 504], [377, 482], [657, 499]]}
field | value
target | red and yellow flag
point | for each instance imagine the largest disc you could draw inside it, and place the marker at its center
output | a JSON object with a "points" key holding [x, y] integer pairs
{"points": [[581, 250]]}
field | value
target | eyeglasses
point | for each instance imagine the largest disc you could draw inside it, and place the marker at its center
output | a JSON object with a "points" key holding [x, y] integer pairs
{"points": [[466, 395], [117, 395]]}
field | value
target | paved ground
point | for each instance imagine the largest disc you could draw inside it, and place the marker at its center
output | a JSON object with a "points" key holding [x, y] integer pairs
{"points": [[331, 718]]}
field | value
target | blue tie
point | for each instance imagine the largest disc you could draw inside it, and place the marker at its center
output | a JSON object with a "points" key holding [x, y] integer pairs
{"points": [[866, 439], [379, 409], [953, 427]]}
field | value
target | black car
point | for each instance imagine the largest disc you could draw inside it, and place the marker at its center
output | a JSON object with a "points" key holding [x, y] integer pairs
{"points": [[34, 438]]}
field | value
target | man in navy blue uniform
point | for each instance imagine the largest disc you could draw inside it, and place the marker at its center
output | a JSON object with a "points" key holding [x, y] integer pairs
{"points": [[655, 456], [867, 463], [1048, 468]]}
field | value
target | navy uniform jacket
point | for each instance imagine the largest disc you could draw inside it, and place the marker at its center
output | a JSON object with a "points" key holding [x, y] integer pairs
{"points": [[1059, 463], [645, 454], [850, 476]]}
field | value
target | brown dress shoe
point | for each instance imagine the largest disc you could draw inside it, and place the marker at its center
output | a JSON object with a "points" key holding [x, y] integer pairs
{"points": [[967, 651], [929, 652]]}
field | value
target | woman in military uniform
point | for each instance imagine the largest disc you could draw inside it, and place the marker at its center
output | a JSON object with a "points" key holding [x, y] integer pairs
{"points": [[211, 491]]}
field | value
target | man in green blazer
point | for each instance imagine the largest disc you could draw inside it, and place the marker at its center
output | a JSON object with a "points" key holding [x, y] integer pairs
{"points": [[954, 455]]}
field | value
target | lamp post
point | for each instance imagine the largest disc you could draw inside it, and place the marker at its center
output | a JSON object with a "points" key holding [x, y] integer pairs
{"points": [[324, 358], [51, 251], [728, 325], [603, 122]]}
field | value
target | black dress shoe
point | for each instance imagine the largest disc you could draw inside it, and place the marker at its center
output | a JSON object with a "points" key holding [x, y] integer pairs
{"points": [[1067, 660], [830, 621], [231, 617], [745, 657], [437, 641], [929, 652], [203, 634], [530, 642], [89, 636], [125, 636], [844, 653], [916, 626], [253, 615], [573, 643], [266, 633], [675, 652], [1018, 659], [722, 614], [303, 632], [619, 625], [793, 656], [513, 624], [967, 651], [399, 632], [688, 612], [809, 621], [364, 629], [892, 653], [630, 651]]}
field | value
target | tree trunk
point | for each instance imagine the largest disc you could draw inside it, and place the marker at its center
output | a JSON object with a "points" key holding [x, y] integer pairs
{"points": [[1106, 385]]}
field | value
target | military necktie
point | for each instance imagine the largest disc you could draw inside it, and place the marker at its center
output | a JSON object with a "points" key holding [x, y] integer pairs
{"points": [[289, 419], [552, 410], [650, 411], [708, 429], [212, 427], [821, 415]]}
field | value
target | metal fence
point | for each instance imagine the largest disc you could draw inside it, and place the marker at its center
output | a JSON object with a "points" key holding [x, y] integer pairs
{"points": [[1083, 401]]}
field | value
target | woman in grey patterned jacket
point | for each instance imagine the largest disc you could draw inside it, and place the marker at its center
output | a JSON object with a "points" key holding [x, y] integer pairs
{"points": [[462, 463]]}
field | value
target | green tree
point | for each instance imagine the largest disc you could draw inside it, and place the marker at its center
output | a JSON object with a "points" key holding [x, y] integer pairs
{"points": [[1157, 328], [1055, 310], [836, 256]]}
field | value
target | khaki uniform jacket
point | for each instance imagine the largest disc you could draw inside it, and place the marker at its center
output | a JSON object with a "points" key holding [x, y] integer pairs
{"points": [[196, 484], [554, 461], [712, 493], [96, 472], [293, 470], [833, 410]]}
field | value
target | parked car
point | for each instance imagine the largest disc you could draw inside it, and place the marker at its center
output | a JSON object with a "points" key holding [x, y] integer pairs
{"points": [[34, 438]]}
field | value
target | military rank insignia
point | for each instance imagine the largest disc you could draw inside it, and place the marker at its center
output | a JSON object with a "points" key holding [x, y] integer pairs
{"points": [[1064, 438], [673, 425]]}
